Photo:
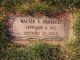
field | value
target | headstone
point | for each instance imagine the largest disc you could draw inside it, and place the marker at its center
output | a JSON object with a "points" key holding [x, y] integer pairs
{"points": [[54, 28]]}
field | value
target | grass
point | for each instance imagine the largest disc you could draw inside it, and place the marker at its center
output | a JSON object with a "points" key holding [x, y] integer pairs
{"points": [[34, 52], [44, 6], [72, 47], [3, 39], [76, 28], [40, 51]]}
